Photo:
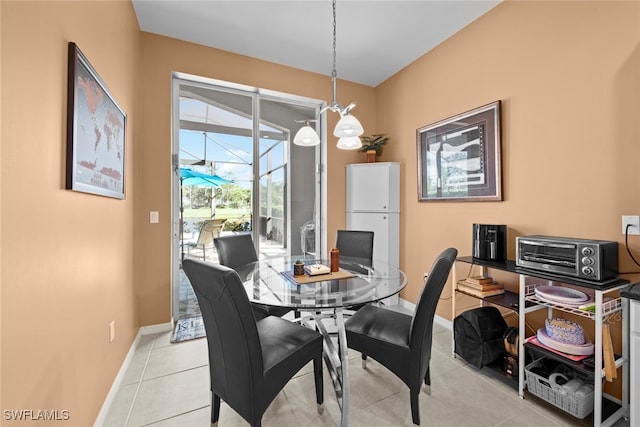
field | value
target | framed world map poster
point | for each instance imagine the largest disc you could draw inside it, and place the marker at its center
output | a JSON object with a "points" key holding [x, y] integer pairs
{"points": [[95, 132]]}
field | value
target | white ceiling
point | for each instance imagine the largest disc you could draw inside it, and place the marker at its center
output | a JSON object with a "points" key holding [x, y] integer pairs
{"points": [[375, 38]]}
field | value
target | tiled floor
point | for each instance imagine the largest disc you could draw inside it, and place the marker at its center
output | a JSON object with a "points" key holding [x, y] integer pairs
{"points": [[168, 385]]}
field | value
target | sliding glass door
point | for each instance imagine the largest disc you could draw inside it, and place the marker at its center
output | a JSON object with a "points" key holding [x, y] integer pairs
{"points": [[250, 177]]}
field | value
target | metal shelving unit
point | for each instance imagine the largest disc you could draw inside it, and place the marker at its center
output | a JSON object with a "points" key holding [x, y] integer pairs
{"points": [[615, 409], [607, 409]]}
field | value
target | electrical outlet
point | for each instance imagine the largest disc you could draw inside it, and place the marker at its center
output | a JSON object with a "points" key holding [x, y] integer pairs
{"points": [[633, 221], [112, 331]]}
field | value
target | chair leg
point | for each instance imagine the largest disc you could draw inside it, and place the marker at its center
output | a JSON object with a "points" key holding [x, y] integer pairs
{"points": [[427, 382], [317, 373], [415, 406], [364, 361], [215, 409]]}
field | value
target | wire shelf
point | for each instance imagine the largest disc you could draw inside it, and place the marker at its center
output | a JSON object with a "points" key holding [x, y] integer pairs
{"points": [[608, 307]]}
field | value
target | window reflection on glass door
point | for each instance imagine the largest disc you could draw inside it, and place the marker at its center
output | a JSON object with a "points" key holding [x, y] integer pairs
{"points": [[273, 197], [215, 140], [267, 185]]}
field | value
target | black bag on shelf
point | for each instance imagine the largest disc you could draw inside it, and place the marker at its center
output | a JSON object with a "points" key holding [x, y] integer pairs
{"points": [[478, 335]]}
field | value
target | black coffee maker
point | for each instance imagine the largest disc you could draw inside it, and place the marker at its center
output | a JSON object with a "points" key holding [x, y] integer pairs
{"points": [[490, 242]]}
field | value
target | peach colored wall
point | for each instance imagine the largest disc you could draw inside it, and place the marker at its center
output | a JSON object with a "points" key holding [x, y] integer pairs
{"points": [[1, 234], [66, 257], [568, 75], [161, 57]]}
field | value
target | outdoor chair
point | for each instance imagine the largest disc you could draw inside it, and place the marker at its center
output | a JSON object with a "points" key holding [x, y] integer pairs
{"points": [[249, 362], [208, 231], [400, 342], [217, 225]]}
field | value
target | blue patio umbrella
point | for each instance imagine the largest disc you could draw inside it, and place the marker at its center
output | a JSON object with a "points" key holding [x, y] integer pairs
{"points": [[191, 177], [195, 178]]}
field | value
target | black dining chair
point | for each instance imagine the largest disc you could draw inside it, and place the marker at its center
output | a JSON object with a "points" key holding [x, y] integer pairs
{"points": [[356, 252], [355, 246], [400, 342], [237, 251], [249, 362]]}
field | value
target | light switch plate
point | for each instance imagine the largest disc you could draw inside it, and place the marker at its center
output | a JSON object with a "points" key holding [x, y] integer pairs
{"points": [[112, 331], [154, 217]]}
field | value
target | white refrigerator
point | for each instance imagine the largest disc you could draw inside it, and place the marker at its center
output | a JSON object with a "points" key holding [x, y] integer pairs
{"points": [[373, 204]]}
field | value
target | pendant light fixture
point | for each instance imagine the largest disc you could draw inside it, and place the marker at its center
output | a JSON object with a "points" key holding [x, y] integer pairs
{"points": [[349, 143], [306, 135], [348, 128]]}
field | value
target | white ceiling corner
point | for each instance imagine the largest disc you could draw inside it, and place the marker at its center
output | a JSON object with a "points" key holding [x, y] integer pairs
{"points": [[375, 38]]}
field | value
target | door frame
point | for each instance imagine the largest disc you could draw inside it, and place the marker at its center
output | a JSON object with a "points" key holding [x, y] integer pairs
{"points": [[256, 95]]}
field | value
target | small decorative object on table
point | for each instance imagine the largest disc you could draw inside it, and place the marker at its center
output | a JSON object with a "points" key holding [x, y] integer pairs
{"points": [[316, 269], [298, 268], [335, 259]]}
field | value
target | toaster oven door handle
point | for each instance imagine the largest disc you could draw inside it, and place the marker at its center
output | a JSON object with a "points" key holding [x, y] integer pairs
{"points": [[548, 260], [549, 244]]}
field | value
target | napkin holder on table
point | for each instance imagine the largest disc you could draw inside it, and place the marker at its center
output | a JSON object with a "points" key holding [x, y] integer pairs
{"points": [[315, 269]]}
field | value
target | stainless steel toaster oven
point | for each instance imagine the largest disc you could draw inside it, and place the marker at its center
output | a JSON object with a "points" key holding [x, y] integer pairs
{"points": [[595, 260]]}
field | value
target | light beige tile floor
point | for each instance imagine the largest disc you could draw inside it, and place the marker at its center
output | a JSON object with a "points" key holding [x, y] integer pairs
{"points": [[167, 385]]}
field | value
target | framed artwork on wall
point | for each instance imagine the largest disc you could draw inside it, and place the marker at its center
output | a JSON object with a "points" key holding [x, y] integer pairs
{"points": [[459, 157], [95, 132]]}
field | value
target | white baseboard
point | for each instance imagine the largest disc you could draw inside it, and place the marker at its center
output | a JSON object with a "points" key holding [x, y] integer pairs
{"points": [[448, 324], [406, 304], [156, 329], [117, 382]]}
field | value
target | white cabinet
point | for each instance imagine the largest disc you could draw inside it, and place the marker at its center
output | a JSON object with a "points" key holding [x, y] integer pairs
{"points": [[373, 204], [373, 187], [385, 233]]}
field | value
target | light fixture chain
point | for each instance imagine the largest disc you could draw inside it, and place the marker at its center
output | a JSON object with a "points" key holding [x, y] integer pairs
{"points": [[334, 72], [348, 128]]}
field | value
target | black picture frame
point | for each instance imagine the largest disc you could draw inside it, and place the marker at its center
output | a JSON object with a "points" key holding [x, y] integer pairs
{"points": [[459, 158], [96, 128]]}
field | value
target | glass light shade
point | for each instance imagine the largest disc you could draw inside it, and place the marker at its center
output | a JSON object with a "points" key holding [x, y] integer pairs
{"points": [[306, 137], [348, 126], [349, 143]]}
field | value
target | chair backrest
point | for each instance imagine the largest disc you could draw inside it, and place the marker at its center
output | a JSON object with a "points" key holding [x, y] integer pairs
{"points": [[355, 245], [235, 356], [217, 222], [206, 234], [235, 250], [422, 322]]}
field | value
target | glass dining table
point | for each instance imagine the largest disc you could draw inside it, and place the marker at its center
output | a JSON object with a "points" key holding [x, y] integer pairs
{"points": [[323, 298]]}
